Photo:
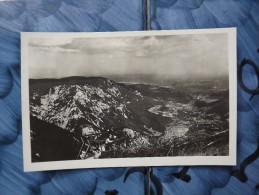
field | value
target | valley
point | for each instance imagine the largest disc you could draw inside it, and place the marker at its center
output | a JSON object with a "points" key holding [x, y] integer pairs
{"points": [[101, 118]]}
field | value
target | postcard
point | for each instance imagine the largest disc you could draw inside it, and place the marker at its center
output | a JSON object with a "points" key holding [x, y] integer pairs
{"points": [[117, 99]]}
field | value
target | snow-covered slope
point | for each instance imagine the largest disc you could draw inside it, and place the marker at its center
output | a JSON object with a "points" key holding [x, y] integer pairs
{"points": [[87, 105]]}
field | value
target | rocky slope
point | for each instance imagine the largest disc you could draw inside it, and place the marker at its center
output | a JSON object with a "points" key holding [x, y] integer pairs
{"points": [[89, 105]]}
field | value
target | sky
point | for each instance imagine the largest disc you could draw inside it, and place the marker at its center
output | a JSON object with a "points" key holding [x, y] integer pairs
{"points": [[179, 56]]}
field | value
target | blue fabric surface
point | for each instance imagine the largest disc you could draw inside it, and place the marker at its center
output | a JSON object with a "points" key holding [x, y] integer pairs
{"points": [[123, 15]]}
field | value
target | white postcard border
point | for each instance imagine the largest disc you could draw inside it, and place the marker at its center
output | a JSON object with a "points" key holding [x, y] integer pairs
{"points": [[129, 162]]}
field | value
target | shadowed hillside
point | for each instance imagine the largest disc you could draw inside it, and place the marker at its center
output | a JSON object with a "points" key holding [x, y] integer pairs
{"points": [[81, 104], [147, 119], [51, 143]]}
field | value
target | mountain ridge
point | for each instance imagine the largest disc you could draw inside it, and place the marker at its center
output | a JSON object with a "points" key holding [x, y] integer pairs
{"points": [[76, 103]]}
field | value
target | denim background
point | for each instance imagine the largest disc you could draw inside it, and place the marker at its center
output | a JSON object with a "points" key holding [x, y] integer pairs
{"points": [[126, 15]]}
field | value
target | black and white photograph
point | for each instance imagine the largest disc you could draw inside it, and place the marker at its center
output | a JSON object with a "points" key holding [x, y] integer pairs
{"points": [[153, 98]]}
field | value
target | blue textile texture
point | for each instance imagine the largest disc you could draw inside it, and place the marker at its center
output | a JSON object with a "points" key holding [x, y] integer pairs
{"points": [[127, 15]]}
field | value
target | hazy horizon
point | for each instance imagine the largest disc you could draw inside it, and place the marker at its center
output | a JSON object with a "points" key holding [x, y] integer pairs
{"points": [[179, 56], [148, 79]]}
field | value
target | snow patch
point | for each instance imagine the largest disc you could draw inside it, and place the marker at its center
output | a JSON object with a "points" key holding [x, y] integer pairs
{"points": [[88, 130], [114, 91]]}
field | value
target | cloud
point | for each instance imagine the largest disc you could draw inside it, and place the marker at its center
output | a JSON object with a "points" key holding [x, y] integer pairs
{"points": [[53, 49], [47, 42], [178, 55], [51, 45]]}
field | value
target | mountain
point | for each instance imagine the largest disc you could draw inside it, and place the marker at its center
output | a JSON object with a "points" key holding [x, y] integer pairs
{"points": [[161, 93], [147, 116], [61, 145], [85, 105]]}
